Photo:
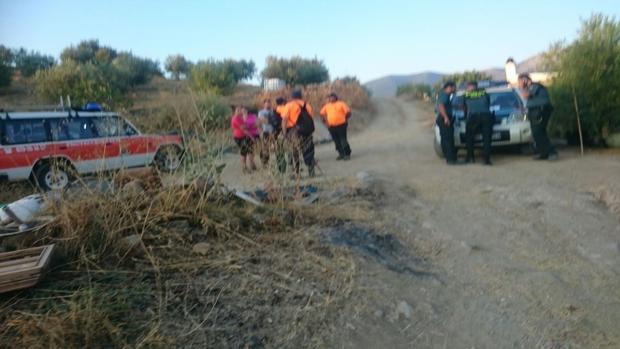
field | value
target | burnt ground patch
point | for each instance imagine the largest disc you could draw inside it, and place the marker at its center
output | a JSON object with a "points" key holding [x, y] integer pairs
{"points": [[384, 249]]}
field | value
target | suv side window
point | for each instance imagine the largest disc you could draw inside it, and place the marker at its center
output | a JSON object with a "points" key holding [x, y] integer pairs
{"points": [[107, 126], [114, 127], [72, 129], [24, 131], [128, 130]]}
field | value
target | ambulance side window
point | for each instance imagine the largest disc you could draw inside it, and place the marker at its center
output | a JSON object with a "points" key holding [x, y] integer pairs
{"points": [[72, 129], [128, 130], [108, 126], [2, 141], [24, 131]]}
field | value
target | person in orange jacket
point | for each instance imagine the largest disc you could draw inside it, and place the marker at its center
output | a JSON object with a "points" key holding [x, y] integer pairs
{"points": [[336, 115], [297, 129]]}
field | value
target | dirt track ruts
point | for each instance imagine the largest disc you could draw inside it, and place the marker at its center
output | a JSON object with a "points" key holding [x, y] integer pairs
{"points": [[527, 254]]}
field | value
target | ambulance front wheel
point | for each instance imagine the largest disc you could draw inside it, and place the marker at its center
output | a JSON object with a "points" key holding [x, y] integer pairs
{"points": [[53, 175]]}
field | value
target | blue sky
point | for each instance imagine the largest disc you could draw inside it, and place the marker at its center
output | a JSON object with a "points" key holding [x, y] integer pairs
{"points": [[362, 38]]}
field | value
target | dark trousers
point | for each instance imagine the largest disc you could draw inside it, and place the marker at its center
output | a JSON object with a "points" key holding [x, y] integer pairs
{"points": [[266, 145], [479, 123], [339, 135], [301, 146], [539, 119], [270, 142], [447, 140]]}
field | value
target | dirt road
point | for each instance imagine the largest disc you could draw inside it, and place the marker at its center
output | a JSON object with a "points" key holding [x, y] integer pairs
{"points": [[523, 254]]}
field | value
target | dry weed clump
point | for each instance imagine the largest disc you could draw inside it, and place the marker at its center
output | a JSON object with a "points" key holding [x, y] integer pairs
{"points": [[350, 92], [186, 264], [178, 262]]}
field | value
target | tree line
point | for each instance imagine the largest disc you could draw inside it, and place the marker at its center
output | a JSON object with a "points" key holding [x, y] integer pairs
{"points": [[91, 71]]}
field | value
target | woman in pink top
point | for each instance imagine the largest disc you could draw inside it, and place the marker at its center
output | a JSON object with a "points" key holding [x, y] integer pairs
{"points": [[244, 131]]}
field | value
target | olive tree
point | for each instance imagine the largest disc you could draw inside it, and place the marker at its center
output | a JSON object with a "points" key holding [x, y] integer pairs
{"points": [[296, 70], [588, 72], [177, 65], [220, 76], [28, 63]]}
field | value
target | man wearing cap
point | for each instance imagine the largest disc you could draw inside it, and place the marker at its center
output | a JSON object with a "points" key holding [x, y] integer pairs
{"points": [[539, 111], [445, 123], [479, 118], [298, 141], [336, 115]]}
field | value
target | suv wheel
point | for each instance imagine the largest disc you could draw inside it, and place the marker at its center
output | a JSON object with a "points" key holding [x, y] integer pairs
{"points": [[53, 175], [168, 158], [527, 149]]}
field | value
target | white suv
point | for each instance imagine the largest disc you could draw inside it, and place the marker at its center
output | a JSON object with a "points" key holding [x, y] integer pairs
{"points": [[511, 126]]}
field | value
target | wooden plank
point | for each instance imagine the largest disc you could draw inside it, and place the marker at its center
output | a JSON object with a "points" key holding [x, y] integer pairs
{"points": [[45, 256], [25, 260], [16, 269], [248, 198], [22, 253], [19, 285], [19, 278], [25, 269]]}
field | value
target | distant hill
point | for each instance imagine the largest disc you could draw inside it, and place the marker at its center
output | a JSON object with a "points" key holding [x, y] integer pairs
{"points": [[386, 86]]}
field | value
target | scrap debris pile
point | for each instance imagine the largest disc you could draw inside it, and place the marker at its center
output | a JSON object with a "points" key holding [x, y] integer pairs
{"points": [[191, 257]]}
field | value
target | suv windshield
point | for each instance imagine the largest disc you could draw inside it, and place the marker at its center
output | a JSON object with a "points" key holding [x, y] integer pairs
{"points": [[505, 103], [502, 103]]}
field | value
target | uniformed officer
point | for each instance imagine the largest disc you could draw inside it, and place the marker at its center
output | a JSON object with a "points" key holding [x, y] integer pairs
{"points": [[479, 119], [539, 111], [445, 121]]}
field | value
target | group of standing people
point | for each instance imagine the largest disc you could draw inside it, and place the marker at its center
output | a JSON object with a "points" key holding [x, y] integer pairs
{"points": [[287, 131], [480, 119]]}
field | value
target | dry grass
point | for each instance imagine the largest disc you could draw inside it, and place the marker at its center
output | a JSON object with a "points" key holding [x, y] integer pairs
{"points": [[128, 272], [261, 278]]}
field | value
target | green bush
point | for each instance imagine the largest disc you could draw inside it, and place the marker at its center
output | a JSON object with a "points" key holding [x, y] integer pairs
{"points": [[462, 78], [220, 77], [415, 91], [588, 68], [137, 70], [296, 70], [348, 79], [83, 82], [88, 51], [6, 70], [28, 63], [213, 111], [90, 72]]}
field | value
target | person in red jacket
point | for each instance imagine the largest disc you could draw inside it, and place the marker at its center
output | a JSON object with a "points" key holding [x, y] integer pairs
{"points": [[245, 131]]}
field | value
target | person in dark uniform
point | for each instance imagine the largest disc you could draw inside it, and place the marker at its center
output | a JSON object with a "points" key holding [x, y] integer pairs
{"points": [[445, 122], [539, 111], [479, 119]]}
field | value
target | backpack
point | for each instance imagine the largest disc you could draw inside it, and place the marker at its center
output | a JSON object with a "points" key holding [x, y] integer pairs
{"points": [[275, 120], [305, 124]]}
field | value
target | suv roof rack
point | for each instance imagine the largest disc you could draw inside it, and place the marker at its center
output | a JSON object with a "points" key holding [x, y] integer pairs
{"points": [[51, 114]]}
